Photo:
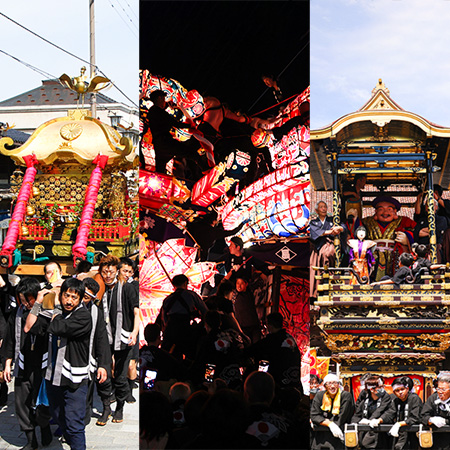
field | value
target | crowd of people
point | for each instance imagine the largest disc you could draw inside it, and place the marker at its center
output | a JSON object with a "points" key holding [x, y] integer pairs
{"points": [[62, 338], [211, 377], [333, 409], [384, 248]]}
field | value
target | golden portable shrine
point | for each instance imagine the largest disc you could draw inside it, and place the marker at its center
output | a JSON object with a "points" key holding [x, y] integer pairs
{"points": [[73, 201], [385, 329]]}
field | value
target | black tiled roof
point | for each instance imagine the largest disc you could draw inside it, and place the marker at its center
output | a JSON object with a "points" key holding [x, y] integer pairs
{"points": [[19, 137], [51, 93]]}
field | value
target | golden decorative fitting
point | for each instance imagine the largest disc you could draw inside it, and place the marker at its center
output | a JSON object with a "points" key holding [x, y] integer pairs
{"points": [[25, 231], [62, 250], [82, 85], [39, 249], [36, 191], [30, 210], [71, 131]]}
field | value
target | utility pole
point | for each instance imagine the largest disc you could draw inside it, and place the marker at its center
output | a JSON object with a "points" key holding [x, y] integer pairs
{"points": [[92, 52]]}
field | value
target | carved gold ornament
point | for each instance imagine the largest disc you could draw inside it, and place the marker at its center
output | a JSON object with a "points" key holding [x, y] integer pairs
{"points": [[39, 249], [71, 131], [62, 250]]}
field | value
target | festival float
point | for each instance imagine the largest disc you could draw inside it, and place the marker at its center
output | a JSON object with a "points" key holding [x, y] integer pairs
{"points": [[381, 329], [273, 208], [72, 198]]}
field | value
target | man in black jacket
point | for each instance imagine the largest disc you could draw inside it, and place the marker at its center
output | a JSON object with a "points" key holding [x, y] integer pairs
{"points": [[160, 123], [100, 355], [374, 407], [121, 308], [436, 411], [177, 311], [68, 360], [408, 406], [332, 408], [280, 350], [29, 350]]}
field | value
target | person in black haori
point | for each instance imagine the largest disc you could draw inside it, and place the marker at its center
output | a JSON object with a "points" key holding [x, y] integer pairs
{"points": [[374, 407], [408, 406], [28, 347], [322, 247], [332, 408], [436, 411]]}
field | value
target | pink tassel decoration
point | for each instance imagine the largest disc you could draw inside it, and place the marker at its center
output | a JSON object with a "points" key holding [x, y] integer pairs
{"points": [[10, 242], [79, 249]]}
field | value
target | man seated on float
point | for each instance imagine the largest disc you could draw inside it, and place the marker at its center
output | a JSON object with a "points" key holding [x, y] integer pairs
{"points": [[392, 233], [322, 235], [404, 271]]}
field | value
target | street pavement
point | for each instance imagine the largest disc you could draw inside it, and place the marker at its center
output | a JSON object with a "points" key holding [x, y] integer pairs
{"points": [[124, 436]]}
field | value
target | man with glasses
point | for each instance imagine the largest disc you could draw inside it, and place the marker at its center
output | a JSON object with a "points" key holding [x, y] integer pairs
{"points": [[392, 233], [100, 355], [121, 308], [436, 411]]}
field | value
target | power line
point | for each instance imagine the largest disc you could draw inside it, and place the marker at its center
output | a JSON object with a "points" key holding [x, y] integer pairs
{"points": [[69, 53], [129, 18], [124, 21], [45, 40], [284, 70], [292, 60], [49, 76], [131, 9], [36, 69]]}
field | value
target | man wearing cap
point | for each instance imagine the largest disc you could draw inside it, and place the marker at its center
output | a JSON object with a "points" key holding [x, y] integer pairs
{"points": [[392, 233], [332, 408]]}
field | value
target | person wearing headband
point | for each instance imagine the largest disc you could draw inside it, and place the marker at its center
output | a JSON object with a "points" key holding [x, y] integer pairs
{"points": [[407, 412], [375, 409], [331, 408]]}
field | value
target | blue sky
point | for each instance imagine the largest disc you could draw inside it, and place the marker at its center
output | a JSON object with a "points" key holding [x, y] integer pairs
{"points": [[67, 25], [404, 42]]}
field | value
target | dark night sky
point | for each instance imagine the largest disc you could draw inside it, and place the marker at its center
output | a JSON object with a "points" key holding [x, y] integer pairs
{"points": [[221, 48]]}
